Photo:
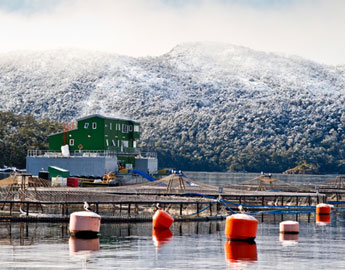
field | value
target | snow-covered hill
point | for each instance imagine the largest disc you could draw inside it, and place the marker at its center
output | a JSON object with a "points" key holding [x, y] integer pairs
{"points": [[202, 105]]}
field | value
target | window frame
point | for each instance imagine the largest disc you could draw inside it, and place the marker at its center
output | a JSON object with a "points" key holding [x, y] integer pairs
{"points": [[124, 128]]}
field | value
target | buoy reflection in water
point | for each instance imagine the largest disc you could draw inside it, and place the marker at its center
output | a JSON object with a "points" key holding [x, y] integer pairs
{"points": [[288, 239], [323, 220], [240, 251], [83, 246], [161, 236]]}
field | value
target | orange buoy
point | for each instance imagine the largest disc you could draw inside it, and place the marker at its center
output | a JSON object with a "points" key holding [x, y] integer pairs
{"points": [[236, 251], [162, 220], [289, 226], [241, 227], [161, 236], [84, 224], [323, 209], [83, 245], [323, 220]]}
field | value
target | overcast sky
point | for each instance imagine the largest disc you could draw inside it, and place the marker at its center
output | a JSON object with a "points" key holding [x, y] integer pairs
{"points": [[313, 29]]}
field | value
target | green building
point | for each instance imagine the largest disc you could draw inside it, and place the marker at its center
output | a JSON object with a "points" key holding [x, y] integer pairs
{"points": [[99, 134]]}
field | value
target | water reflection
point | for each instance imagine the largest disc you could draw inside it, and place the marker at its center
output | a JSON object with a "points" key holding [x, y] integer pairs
{"points": [[323, 220], [289, 239], [161, 236], [240, 252], [187, 245], [79, 246], [26, 234]]}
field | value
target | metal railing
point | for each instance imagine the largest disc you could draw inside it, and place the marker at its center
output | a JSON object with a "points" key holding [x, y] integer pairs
{"points": [[93, 153]]}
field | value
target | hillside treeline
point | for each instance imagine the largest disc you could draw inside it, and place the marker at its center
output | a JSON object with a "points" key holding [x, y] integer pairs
{"points": [[19, 133], [324, 148]]}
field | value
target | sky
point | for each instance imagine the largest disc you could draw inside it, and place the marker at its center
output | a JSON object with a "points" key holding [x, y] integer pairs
{"points": [[312, 29]]}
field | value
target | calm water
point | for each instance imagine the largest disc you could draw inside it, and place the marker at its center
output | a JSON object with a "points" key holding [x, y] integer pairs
{"points": [[189, 246]]}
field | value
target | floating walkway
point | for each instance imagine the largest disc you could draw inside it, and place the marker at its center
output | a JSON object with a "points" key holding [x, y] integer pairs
{"points": [[185, 199]]}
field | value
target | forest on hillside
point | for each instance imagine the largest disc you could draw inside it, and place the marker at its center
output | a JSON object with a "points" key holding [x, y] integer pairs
{"points": [[19, 133]]}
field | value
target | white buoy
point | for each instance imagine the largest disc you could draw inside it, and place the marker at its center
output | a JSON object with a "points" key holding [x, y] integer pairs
{"points": [[289, 226], [84, 224]]}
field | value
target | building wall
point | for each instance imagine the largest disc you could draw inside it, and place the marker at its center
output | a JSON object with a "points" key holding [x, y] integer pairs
{"points": [[147, 165], [78, 166], [98, 133], [89, 135]]}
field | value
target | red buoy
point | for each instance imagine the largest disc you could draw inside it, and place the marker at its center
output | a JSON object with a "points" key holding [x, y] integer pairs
{"points": [[236, 251], [323, 220], [323, 209], [162, 220], [161, 236], [241, 227]]}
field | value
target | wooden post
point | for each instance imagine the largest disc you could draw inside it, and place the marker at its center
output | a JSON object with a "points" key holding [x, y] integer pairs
{"points": [[210, 209], [263, 201], [27, 209], [296, 201], [197, 209], [63, 209], [282, 200], [181, 208], [97, 208], [11, 205], [129, 209], [309, 201]]}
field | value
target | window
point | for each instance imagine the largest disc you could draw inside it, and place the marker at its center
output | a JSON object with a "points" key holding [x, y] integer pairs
{"points": [[136, 128], [94, 125], [71, 142], [125, 143], [130, 128], [113, 142], [134, 144], [86, 125], [118, 127], [111, 126], [124, 128], [107, 142]]}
